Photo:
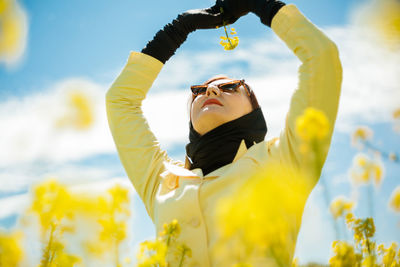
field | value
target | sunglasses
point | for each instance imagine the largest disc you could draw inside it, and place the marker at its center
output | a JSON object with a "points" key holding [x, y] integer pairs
{"points": [[231, 86]]}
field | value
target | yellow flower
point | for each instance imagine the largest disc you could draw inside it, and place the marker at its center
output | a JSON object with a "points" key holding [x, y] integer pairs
{"points": [[394, 201], [366, 170], [79, 112], [51, 203], [152, 253], [112, 219], [13, 29], [11, 252], [277, 197], [384, 18], [313, 124], [396, 113], [227, 42], [360, 135], [170, 230], [340, 206], [389, 254], [344, 255]]}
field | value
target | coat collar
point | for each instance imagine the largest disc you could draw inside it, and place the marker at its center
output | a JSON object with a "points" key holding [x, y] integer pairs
{"points": [[174, 171]]}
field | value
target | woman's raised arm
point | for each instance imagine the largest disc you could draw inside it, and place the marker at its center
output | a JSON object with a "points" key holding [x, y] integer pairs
{"points": [[320, 74], [320, 79]]}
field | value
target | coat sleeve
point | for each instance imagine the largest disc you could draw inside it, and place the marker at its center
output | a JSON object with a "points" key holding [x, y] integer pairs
{"points": [[138, 149], [320, 78]]}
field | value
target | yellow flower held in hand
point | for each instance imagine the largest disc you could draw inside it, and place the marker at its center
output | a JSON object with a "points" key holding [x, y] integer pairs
{"points": [[227, 42]]}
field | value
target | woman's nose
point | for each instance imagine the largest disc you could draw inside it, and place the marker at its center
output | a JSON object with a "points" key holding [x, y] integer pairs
{"points": [[212, 89]]}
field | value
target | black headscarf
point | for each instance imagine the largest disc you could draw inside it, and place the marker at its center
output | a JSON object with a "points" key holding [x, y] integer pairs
{"points": [[218, 147]]}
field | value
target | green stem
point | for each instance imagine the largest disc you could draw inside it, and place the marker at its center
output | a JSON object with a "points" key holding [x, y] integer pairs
{"points": [[370, 201], [183, 256], [47, 258], [226, 33]]}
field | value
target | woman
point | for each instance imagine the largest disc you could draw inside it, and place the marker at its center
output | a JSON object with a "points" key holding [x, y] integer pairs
{"points": [[227, 128]]}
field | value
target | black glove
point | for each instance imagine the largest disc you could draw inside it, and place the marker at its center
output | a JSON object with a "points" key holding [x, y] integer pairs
{"points": [[264, 9], [167, 40]]}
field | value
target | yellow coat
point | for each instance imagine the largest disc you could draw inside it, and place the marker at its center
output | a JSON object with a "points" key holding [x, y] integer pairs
{"points": [[171, 191]]}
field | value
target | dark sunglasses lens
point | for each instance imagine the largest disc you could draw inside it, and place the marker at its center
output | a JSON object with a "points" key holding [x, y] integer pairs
{"points": [[198, 89], [230, 86]]}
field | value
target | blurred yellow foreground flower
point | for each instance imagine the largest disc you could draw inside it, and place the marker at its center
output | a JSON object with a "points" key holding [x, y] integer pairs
{"points": [[262, 217], [13, 31], [313, 124], [383, 16], [11, 252], [394, 201]]}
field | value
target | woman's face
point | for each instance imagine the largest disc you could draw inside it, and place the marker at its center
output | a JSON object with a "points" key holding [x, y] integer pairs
{"points": [[217, 107]]}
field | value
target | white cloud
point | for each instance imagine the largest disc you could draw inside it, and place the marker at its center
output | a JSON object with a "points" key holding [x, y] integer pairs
{"points": [[30, 132]]}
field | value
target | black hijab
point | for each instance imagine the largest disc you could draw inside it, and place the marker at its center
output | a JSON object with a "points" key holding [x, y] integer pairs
{"points": [[218, 147]]}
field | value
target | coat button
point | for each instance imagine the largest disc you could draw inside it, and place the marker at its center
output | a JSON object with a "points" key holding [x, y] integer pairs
{"points": [[195, 222]]}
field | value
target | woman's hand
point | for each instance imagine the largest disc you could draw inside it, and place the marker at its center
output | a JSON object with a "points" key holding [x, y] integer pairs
{"points": [[196, 19], [234, 9], [264, 9]]}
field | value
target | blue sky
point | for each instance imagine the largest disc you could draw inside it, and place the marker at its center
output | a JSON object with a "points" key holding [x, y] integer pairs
{"points": [[86, 43]]}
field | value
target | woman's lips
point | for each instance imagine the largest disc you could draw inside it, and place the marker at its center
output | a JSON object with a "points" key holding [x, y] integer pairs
{"points": [[211, 101]]}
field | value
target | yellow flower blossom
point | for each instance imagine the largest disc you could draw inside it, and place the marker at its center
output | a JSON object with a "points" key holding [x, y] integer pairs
{"points": [[366, 170], [277, 197], [114, 213], [383, 17], [389, 257], [11, 253], [79, 112], [13, 29], [313, 124], [152, 253], [394, 202], [344, 255], [360, 135], [227, 42], [340, 206], [396, 113], [170, 230], [51, 204]]}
